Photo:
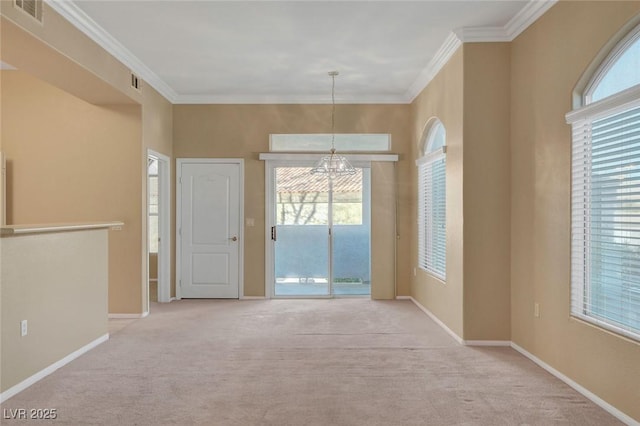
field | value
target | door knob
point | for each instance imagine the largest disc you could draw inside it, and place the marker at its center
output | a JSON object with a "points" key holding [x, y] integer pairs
{"points": [[234, 238]]}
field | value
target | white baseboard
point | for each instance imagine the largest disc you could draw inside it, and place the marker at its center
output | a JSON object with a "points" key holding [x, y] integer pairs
{"points": [[50, 369], [252, 298], [506, 343], [581, 389], [128, 316], [434, 318], [454, 335]]}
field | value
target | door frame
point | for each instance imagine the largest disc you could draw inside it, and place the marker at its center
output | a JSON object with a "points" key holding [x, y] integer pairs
{"points": [[164, 226], [240, 163], [295, 160]]}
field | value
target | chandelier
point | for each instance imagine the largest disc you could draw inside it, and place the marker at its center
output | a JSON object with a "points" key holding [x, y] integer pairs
{"points": [[333, 165]]}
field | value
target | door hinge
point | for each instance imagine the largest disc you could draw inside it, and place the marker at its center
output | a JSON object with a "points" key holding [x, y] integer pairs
{"points": [[180, 180], [180, 231], [180, 283], [274, 233]]}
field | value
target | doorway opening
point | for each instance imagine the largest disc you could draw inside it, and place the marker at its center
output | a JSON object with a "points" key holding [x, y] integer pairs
{"points": [[158, 228], [320, 235]]}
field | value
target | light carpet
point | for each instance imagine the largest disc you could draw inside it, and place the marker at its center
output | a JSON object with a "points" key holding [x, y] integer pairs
{"points": [[301, 362]]}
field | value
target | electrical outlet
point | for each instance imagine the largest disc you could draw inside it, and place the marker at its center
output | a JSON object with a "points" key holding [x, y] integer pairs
{"points": [[23, 328], [536, 310], [415, 272]]}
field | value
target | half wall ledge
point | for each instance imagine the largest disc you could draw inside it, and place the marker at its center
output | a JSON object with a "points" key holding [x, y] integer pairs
{"points": [[7, 230]]}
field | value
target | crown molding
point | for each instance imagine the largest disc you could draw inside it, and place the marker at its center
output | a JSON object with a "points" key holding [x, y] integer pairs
{"points": [[442, 56], [512, 29], [482, 34], [527, 16], [78, 18], [520, 22], [533, 10], [280, 99]]}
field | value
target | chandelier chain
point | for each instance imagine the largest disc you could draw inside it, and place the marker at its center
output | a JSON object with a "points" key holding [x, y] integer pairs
{"points": [[333, 110], [333, 165]]}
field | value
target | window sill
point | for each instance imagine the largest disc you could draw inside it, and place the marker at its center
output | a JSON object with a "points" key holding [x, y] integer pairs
{"points": [[605, 328]]}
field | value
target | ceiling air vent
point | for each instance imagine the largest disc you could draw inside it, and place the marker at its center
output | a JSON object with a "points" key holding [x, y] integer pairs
{"points": [[136, 83], [32, 8]]}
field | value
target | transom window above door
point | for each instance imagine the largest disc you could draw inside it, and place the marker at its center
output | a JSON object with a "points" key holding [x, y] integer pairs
{"points": [[349, 142]]}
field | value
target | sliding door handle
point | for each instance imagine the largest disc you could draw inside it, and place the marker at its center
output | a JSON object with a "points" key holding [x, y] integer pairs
{"points": [[274, 233]]}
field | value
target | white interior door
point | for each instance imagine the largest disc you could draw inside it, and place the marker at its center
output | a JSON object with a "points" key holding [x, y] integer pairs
{"points": [[209, 219]]}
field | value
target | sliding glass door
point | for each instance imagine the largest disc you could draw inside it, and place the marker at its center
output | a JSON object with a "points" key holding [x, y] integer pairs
{"points": [[301, 233], [351, 235], [320, 233]]}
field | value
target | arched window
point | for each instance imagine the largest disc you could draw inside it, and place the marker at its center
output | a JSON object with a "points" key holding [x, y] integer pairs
{"points": [[620, 71], [605, 275], [432, 201]]}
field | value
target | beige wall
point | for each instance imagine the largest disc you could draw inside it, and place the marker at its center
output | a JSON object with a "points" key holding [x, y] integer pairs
{"points": [[58, 53], [505, 103], [24, 51], [484, 93], [157, 134], [442, 98], [486, 191], [58, 283], [547, 61], [470, 95], [70, 161], [383, 230], [242, 131], [153, 265]]}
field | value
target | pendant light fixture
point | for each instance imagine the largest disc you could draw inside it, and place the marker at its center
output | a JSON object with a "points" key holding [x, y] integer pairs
{"points": [[333, 165]]}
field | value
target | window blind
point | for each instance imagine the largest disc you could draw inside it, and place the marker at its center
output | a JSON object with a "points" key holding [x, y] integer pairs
{"points": [[432, 248], [605, 276]]}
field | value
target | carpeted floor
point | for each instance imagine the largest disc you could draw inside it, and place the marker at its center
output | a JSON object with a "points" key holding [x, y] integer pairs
{"points": [[300, 362]]}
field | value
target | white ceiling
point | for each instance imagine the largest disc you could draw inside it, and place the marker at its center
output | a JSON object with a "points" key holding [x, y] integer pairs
{"points": [[280, 52]]}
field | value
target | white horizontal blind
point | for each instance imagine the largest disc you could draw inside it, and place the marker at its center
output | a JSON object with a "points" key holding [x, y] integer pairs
{"points": [[432, 248], [605, 276]]}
